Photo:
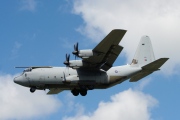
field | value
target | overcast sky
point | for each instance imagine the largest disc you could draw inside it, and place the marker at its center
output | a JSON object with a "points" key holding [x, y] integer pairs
{"points": [[41, 32]]}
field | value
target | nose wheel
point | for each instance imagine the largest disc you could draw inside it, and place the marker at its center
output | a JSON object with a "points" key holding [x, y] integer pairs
{"points": [[32, 89]]}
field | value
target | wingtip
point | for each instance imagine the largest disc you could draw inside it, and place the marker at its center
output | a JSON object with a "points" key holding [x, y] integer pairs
{"points": [[165, 58], [119, 30]]}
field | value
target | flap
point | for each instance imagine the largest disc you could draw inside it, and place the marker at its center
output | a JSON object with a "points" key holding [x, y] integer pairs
{"points": [[111, 57]]}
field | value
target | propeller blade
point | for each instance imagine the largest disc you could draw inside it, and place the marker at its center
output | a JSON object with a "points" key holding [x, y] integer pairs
{"points": [[77, 47], [67, 60], [76, 50], [64, 77], [66, 57], [74, 47]]}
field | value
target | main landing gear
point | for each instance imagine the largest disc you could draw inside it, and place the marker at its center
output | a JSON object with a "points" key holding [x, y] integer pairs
{"points": [[76, 92], [83, 90]]}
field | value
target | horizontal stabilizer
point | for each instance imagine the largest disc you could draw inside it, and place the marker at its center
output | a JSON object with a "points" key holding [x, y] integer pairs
{"points": [[54, 91], [153, 66], [139, 76], [148, 69]]}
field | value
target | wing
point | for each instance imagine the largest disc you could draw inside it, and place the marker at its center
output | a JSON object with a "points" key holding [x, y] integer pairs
{"points": [[106, 51], [148, 69], [54, 91]]}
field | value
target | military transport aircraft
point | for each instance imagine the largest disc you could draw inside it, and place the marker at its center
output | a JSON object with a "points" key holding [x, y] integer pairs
{"points": [[95, 70]]}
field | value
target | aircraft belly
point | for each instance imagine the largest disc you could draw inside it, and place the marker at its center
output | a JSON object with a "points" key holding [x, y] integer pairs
{"points": [[75, 81], [113, 79]]}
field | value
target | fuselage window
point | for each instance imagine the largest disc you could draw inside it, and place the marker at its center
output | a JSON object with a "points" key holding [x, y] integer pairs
{"points": [[25, 75]]}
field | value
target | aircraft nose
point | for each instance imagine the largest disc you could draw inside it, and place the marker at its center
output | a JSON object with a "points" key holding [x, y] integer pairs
{"points": [[16, 80], [19, 80]]}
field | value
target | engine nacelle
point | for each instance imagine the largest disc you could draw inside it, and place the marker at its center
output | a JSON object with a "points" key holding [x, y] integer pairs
{"points": [[75, 64], [85, 53]]}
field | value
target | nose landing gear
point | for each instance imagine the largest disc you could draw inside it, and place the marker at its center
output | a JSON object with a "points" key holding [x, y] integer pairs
{"points": [[32, 89]]}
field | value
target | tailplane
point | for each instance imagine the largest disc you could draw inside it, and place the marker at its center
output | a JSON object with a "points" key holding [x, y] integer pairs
{"points": [[148, 69], [144, 53]]}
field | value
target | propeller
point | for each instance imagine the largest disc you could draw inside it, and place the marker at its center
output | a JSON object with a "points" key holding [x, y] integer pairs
{"points": [[64, 79], [76, 50], [67, 60]]}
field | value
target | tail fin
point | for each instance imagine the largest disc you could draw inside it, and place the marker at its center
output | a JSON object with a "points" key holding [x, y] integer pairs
{"points": [[144, 53]]}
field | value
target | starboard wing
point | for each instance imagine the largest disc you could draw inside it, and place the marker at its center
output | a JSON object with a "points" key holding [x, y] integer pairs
{"points": [[106, 51]]}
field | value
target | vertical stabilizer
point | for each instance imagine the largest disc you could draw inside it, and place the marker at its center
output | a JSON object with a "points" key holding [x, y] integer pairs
{"points": [[144, 53]]}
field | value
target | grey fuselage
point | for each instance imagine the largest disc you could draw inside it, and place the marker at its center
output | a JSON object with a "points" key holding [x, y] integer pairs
{"points": [[67, 78]]}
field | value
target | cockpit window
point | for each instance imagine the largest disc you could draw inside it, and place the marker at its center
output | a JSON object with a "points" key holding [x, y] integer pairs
{"points": [[27, 70], [22, 73]]}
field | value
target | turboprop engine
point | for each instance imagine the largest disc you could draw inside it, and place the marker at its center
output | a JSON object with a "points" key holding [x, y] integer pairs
{"points": [[85, 53], [73, 63], [82, 53]]}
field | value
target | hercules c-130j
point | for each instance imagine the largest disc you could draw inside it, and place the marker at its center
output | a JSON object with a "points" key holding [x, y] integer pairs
{"points": [[95, 70]]}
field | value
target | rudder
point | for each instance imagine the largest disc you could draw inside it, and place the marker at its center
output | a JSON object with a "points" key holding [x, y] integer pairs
{"points": [[144, 53]]}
